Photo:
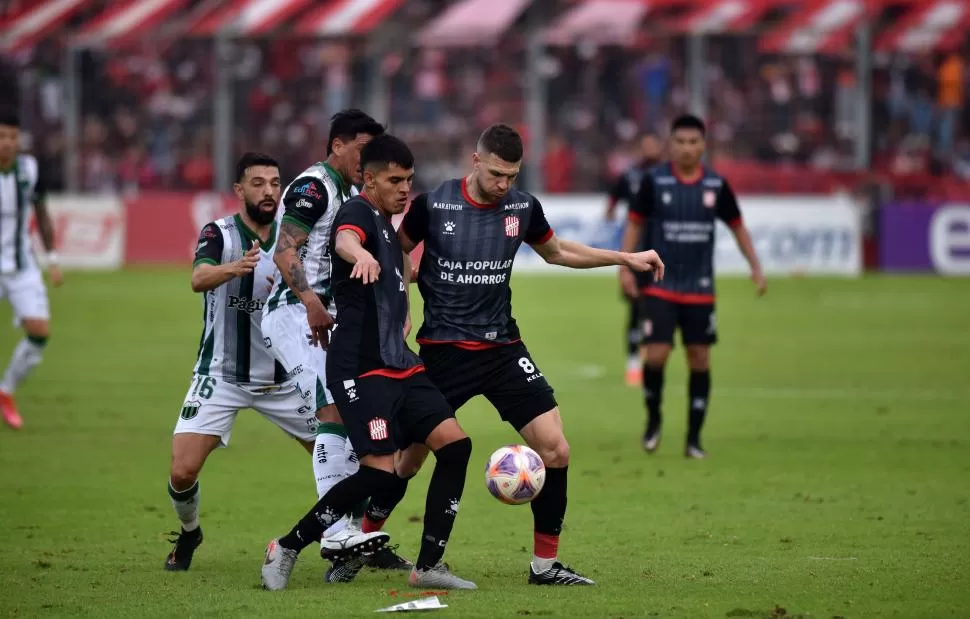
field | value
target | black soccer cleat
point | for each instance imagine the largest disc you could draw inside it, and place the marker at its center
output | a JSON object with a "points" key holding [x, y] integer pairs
{"points": [[387, 559], [345, 571], [180, 559], [558, 574]]}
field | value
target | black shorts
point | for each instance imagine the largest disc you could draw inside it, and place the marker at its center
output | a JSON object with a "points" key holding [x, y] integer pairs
{"points": [[383, 415], [660, 318], [506, 375]]}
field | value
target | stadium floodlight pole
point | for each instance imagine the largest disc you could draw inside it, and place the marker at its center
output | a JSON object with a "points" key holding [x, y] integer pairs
{"points": [[222, 146], [72, 116], [696, 78], [535, 91], [863, 70]]}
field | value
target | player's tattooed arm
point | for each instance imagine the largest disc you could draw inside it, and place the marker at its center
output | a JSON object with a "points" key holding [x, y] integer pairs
{"points": [[292, 237]]}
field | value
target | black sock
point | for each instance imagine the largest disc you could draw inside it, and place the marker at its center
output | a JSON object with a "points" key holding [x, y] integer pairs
{"points": [[653, 387], [633, 332], [549, 507], [383, 503], [338, 501], [444, 497], [699, 390]]}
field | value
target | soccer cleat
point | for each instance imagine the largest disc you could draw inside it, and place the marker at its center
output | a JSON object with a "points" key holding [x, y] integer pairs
{"points": [[351, 543], [345, 571], [9, 409], [651, 441], [558, 574], [438, 577], [277, 566], [694, 452], [387, 559], [180, 559]]}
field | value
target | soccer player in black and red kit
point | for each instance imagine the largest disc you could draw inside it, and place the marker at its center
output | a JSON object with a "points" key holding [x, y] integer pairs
{"points": [[470, 344], [675, 212], [624, 189], [385, 397]]}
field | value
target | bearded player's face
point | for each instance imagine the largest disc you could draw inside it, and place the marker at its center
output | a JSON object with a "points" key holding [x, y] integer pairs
{"points": [[687, 147], [260, 192], [495, 175], [9, 139], [391, 186]]}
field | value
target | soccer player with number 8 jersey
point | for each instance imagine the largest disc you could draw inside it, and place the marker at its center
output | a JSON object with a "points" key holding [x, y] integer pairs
{"points": [[470, 344]]}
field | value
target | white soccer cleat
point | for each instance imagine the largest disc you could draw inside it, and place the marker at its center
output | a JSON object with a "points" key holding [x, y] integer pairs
{"points": [[651, 442], [438, 577], [694, 452], [351, 543], [277, 566]]}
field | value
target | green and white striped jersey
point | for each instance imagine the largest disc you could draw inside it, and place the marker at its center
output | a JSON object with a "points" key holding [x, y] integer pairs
{"points": [[21, 185], [311, 202], [232, 345]]}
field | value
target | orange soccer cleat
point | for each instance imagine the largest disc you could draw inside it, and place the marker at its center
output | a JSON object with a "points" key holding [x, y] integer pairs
{"points": [[9, 409]]}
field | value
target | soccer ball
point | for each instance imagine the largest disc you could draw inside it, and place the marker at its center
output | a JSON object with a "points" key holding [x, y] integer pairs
{"points": [[515, 474]]}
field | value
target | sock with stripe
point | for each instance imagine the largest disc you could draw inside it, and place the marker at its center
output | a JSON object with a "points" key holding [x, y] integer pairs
{"points": [[548, 513], [26, 356], [186, 504]]}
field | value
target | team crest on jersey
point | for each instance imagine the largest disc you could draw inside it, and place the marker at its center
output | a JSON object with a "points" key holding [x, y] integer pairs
{"points": [[511, 226], [710, 199], [450, 227], [377, 428]]}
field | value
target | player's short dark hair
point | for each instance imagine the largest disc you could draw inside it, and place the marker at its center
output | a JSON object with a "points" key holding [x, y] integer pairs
{"points": [[348, 124], [502, 141], [9, 116], [688, 121], [249, 160], [384, 150]]}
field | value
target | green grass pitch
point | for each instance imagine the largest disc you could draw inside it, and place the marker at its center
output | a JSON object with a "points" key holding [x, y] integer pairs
{"points": [[837, 486]]}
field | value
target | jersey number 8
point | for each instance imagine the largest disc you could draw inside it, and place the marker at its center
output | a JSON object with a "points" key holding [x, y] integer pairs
{"points": [[526, 365]]}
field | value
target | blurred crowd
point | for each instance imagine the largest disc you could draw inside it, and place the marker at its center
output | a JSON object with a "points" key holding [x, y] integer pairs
{"points": [[147, 111]]}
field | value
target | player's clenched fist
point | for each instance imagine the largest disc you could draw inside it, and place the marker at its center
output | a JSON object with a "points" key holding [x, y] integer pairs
{"points": [[246, 264], [646, 261], [366, 269]]}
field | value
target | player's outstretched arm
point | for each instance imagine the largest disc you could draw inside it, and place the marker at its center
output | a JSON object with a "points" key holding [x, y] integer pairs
{"points": [[631, 236], [208, 270], [578, 256], [207, 276], [350, 247]]}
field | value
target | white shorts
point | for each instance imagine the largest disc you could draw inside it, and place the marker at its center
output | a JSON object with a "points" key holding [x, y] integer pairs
{"points": [[211, 405], [287, 336], [27, 294]]}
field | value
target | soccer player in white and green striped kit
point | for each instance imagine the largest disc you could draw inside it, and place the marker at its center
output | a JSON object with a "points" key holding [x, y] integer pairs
{"points": [[234, 370]]}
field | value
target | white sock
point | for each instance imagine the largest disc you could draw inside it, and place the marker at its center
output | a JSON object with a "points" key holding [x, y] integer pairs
{"points": [[186, 504], [540, 565], [329, 466], [26, 356], [633, 363]]}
